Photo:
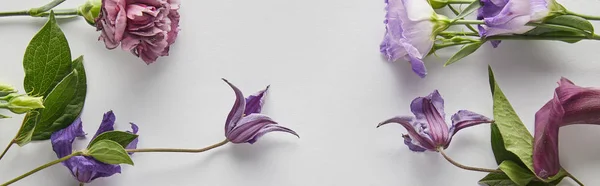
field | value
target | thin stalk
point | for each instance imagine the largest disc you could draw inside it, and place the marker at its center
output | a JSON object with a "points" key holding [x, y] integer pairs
{"points": [[523, 37], [441, 150], [179, 150], [588, 17], [451, 33], [460, 1], [34, 12], [42, 168], [456, 12], [6, 149], [574, 179], [468, 22]]}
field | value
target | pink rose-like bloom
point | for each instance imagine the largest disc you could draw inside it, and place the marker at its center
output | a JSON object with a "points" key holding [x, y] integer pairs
{"points": [[145, 27]]}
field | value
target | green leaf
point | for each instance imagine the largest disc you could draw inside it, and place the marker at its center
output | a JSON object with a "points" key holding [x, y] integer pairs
{"points": [[47, 59], [109, 152], [500, 152], [572, 21], [497, 179], [122, 138], [463, 52], [68, 106], [3, 116], [469, 10], [24, 135], [516, 173], [515, 135]]}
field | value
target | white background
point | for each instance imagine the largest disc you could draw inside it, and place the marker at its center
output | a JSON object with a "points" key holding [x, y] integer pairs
{"points": [[329, 83]]}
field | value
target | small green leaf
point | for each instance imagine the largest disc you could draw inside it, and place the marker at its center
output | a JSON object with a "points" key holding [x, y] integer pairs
{"points": [[24, 135], [497, 179], [122, 138], [516, 173], [3, 116], [515, 135], [69, 106], [572, 21], [475, 5], [47, 59], [463, 52], [109, 152]]}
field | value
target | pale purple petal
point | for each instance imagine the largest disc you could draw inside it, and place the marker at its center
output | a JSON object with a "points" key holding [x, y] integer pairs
{"points": [[248, 127], [133, 144], [237, 110], [86, 169], [271, 128], [62, 140], [464, 118], [510, 16], [108, 123], [430, 110], [411, 145], [255, 102], [415, 129]]}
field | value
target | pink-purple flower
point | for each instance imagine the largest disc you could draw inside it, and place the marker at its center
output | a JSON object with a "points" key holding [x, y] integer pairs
{"points": [[244, 123], [84, 168], [147, 28], [427, 130], [571, 104], [409, 32]]}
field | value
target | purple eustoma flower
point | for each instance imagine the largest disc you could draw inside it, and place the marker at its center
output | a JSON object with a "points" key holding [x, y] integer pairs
{"points": [[409, 32], [428, 130], [84, 168], [571, 104], [244, 123]]}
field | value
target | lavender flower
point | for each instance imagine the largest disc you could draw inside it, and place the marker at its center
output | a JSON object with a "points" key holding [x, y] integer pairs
{"points": [[85, 169], [411, 27], [428, 130], [571, 104], [244, 123], [511, 16]]}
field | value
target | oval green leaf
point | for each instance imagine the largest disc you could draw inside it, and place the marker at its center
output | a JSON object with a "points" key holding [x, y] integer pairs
{"points": [[109, 152], [122, 138], [516, 173]]}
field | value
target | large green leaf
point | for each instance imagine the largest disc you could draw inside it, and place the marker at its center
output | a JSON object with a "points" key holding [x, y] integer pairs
{"points": [[122, 138], [500, 152], [109, 152], [69, 107], [24, 135], [497, 179], [516, 173], [47, 59], [515, 135]]}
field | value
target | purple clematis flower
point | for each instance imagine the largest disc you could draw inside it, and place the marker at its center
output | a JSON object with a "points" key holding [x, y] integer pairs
{"points": [[428, 130], [511, 16], [410, 28], [85, 169], [571, 104], [244, 123]]}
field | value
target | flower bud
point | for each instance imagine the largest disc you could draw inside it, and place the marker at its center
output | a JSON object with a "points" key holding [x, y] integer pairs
{"points": [[90, 11], [6, 89], [24, 103], [437, 4]]}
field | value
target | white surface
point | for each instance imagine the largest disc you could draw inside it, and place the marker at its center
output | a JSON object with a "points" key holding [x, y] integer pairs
{"points": [[329, 83]]}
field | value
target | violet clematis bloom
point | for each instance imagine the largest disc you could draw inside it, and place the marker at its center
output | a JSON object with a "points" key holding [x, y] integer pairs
{"points": [[244, 123], [147, 28], [428, 130], [571, 104], [84, 168], [410, 32], [511, 16]]}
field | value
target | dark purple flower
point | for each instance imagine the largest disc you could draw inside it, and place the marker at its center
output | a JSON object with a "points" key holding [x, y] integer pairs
{"points": [[244, 123], [428, 130], [147, 28], [571, 104], [85, 169], [511, 16], [409, 32]]}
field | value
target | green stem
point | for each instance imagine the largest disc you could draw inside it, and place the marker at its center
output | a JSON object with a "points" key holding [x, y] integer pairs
{"points": [[451, 33], [456, 12], [180, 150], [34, 12], [6, 149], [440, 46], [524, 37], [468, 22], [574, 179], [441, 150], [61, 12], [42, 167], [588, 17], [460, 1]]}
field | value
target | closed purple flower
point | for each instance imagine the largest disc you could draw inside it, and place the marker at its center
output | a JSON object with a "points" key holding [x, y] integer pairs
{"points": [[409, 32], [571, 104], [84, 168], [244, 123], [427, 130], [147, 28]]}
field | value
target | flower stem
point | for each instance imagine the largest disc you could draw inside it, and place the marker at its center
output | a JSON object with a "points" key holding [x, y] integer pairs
{"points": [[34, 12], [6, 149], [468, 22], [588, 17], [180, 150], [42, 167], [451, 33], [456, 12], [460, 1], [574, 179], [524, 37], [441, 150]]}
